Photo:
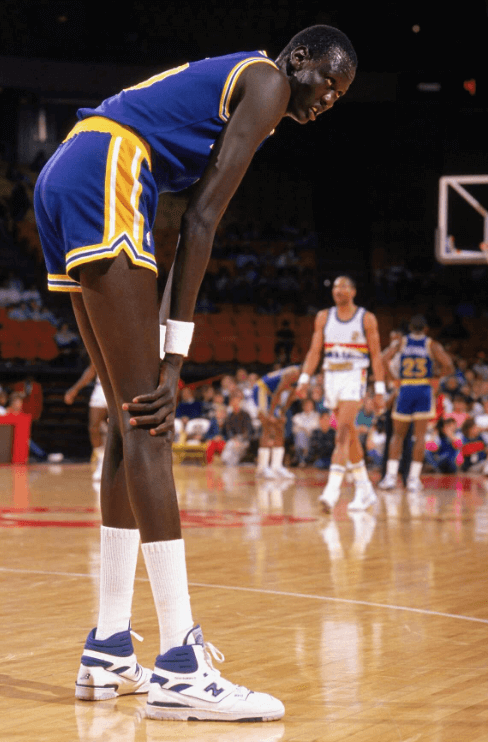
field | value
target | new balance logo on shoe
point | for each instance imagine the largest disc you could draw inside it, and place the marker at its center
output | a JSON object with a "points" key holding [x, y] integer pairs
{"points": [[212, 688]]}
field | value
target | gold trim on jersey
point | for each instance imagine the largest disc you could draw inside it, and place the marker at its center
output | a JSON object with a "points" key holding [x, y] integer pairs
{"points": [[157, 78], [409, 382], [345, 366], [231, 81]]}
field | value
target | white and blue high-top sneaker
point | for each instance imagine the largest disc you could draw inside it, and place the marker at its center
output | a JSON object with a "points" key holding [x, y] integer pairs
{"points": [[109, 668], [185, 686]]}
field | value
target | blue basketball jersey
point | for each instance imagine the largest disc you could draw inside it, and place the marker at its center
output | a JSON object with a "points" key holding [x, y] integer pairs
{"points": [[416, 365], [180, 114], [266, 386]]}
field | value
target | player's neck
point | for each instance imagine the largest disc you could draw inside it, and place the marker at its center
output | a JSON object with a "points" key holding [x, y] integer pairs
{"points": [[346, 311]]}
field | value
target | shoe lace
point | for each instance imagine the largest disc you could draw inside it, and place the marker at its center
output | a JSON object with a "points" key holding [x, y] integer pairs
{"points": [[211, 651]]}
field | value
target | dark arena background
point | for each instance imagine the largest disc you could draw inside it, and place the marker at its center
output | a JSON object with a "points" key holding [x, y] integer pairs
{"points": [[367, 625]]}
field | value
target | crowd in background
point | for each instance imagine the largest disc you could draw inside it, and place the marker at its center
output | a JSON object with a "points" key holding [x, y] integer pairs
{"points": [[457, 438]]}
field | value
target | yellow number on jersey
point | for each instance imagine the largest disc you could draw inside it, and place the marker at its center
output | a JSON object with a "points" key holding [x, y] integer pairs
{"points": [[414, 368]]}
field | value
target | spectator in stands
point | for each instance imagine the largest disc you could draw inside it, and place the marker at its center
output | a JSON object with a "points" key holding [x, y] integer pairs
{"points": [[375, 443], [238, 431], [459, 410], [31, 294], [303, 423], [207, 394], [189, 406], [473, 448], [15, 402], [32, 396], [443, 450], [321, 444], [9, 295], [450, 386], [227, 387], [20, 313], [3, 401], [216, 434], [480, 367], [68, 342], [39, 313], [481, 420]]}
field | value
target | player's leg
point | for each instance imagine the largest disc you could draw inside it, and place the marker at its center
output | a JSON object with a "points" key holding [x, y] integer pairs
{"points": [[364, 494], [109, 646], [345, 414], [184, 684], [400, 429], [418, 454], [266, 442], [278, 450]]}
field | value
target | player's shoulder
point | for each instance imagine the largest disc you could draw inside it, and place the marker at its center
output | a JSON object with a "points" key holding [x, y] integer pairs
{"points": [[261, 72], [369, 318]]}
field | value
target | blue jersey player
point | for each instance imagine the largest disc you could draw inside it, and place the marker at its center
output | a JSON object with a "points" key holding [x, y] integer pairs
{"points": [[268, 393], [95, 204], [418, 359]]}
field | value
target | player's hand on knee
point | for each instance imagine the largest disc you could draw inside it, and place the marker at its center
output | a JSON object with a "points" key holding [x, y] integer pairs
{"points": [[156, 409]]}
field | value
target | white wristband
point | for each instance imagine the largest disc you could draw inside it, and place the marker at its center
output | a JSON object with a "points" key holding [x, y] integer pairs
{"points": [[379, 387], [162, 335], [178, 337], [303, 378]]}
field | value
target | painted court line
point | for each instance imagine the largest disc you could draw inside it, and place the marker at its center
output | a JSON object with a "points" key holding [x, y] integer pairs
{"points": [[281, 593]]}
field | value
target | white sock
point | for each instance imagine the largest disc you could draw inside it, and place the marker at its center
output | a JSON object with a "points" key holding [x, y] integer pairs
{"points": [[264, 455], [99, 451], [166, 567], [336, 475], [277, 456], [118, 561], [415, 470], [359, 472], [392, 467]]}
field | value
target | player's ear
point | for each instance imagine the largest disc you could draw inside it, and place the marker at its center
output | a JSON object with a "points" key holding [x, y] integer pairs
{"points": [[299, 55]]}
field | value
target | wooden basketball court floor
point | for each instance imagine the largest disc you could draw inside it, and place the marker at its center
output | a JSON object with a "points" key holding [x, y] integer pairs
{"points": [[371, 626]]}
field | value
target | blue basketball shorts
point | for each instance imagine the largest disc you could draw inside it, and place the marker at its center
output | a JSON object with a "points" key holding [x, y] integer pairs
{"points": [[95, 198], [414, 402]]}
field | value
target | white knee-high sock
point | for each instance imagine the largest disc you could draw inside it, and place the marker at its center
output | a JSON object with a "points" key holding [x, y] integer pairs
{"points": [[166, 567], [359, 472], [336, 475], [263, 457], [392, 466], [118, 561], [415, 469], [277, 456]]}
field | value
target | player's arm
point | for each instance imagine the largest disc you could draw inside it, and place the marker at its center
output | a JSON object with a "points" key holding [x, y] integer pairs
{"points": [[445, 365], [374, 347], [314, 352], [262, 97], [287, 380], [86, 378]]}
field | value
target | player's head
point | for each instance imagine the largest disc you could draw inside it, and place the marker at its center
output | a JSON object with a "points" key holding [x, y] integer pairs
{"points": [[418, 323], [343, 290], [320, 63]]}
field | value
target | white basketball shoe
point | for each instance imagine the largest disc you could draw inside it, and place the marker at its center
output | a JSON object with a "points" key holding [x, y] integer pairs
{"points": [[185, 686]]}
